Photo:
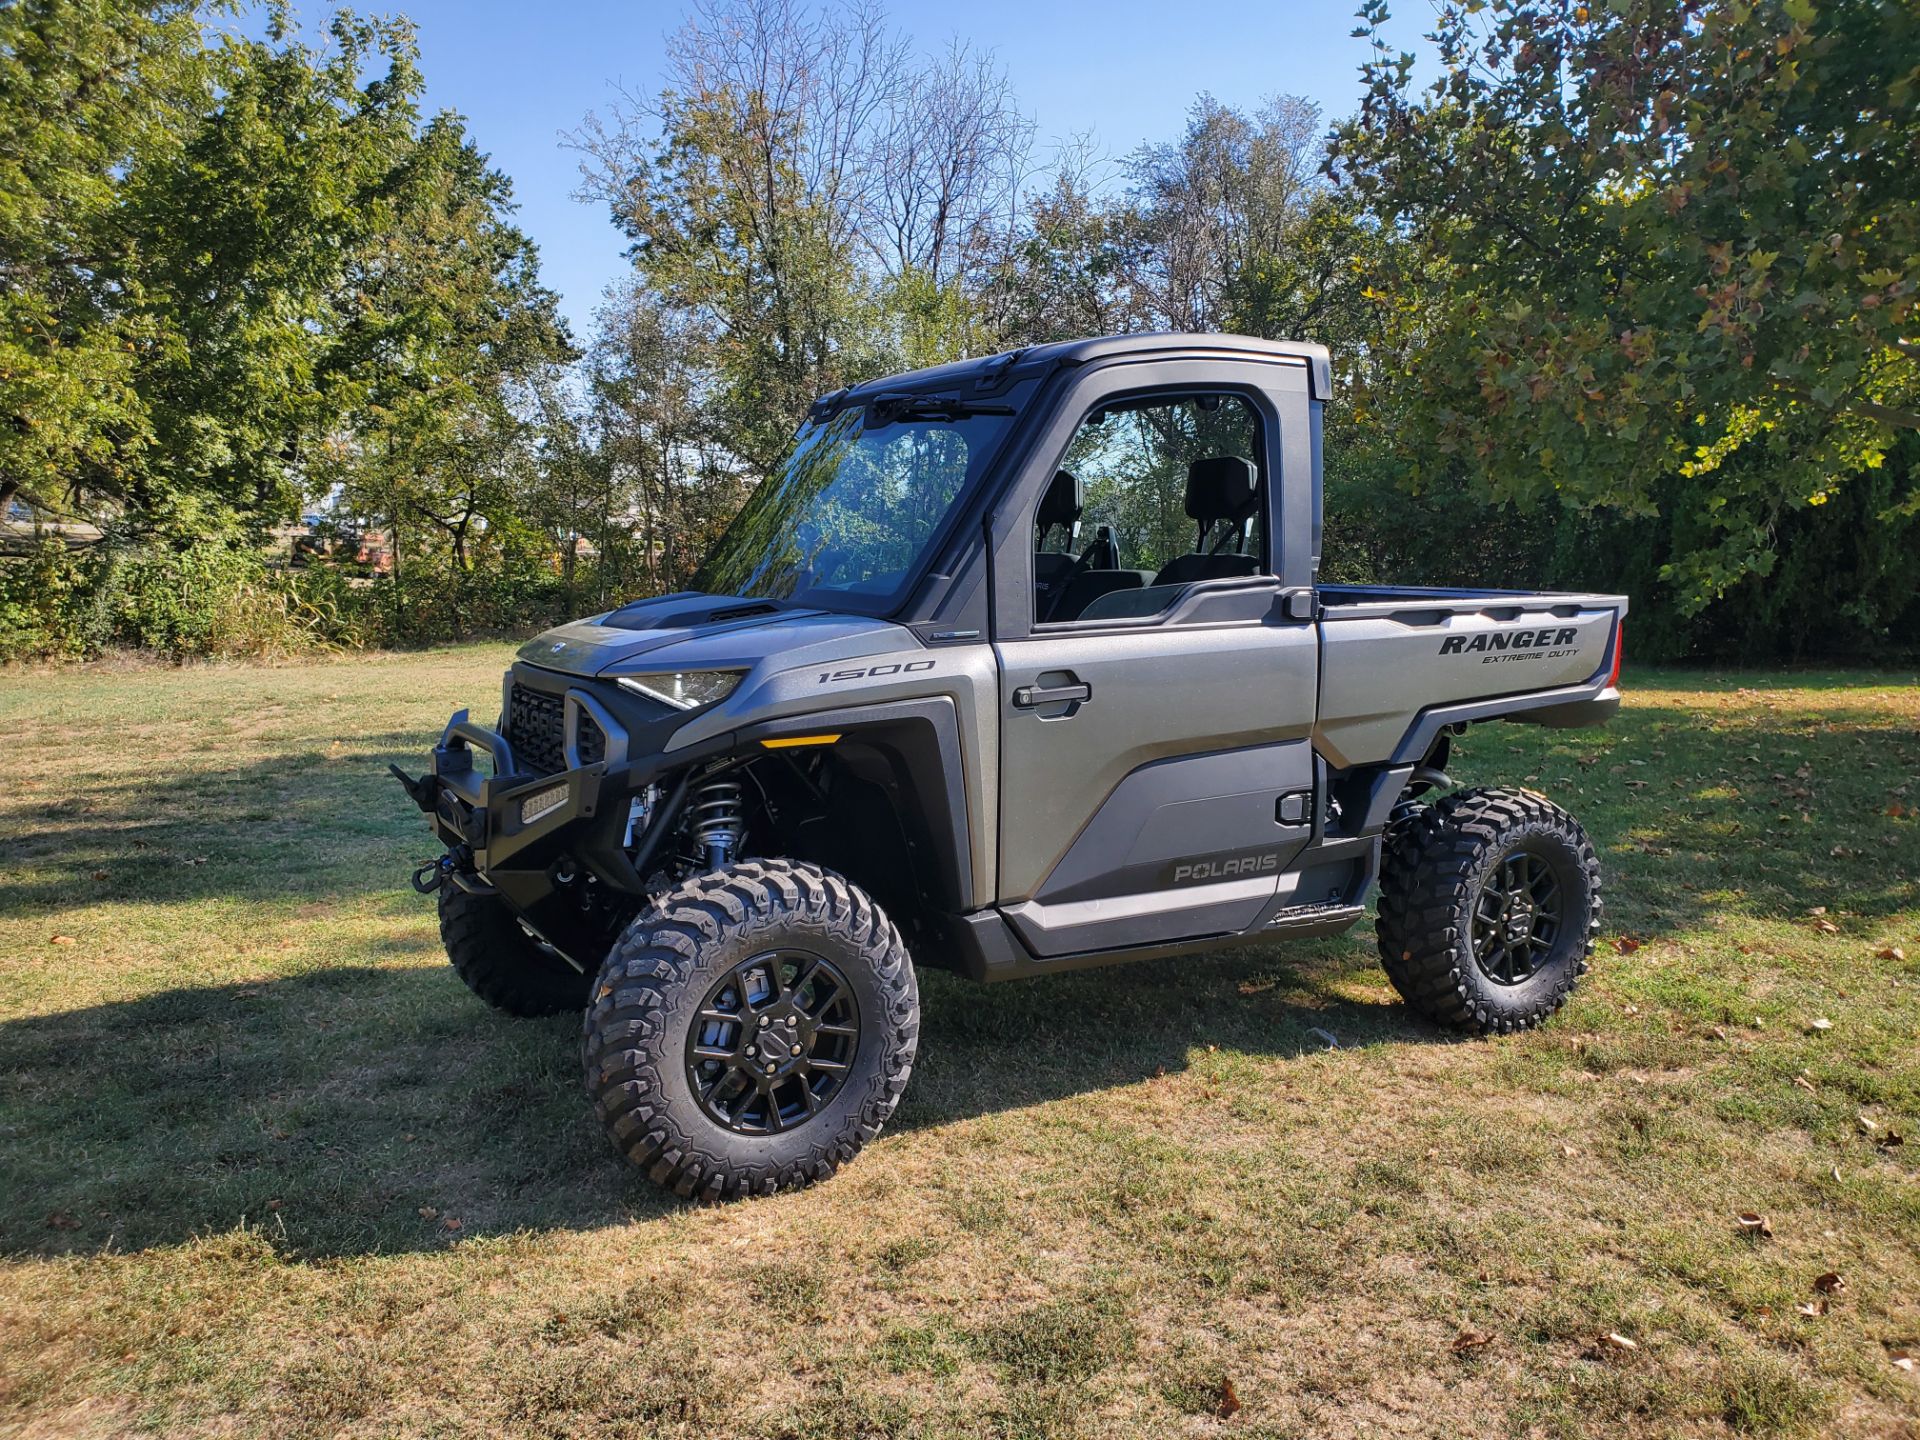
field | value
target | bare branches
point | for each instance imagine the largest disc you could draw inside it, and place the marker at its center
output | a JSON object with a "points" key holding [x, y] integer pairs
{"points": [[946, 163], [1227, 192]]}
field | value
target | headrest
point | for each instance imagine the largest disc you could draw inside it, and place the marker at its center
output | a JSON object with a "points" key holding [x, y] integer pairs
{"points": [[1061, 504], [1221, 487]]}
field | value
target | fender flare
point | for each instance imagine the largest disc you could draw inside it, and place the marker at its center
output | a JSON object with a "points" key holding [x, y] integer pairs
{"points": [[920, 740]]}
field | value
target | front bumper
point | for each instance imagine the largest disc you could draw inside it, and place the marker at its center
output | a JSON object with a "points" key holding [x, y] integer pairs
{"points": [[519, 823], [509, 818]]}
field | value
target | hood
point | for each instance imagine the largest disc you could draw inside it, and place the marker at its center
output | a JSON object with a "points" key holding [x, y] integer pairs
{"points": [[687, 631]]}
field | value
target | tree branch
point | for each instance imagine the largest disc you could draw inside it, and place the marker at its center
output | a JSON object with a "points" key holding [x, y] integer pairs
{"points": [[1866, 409]]}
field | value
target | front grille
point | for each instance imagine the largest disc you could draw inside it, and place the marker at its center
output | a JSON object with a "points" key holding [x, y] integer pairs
{"points": [[537, 730], [592, 742]]}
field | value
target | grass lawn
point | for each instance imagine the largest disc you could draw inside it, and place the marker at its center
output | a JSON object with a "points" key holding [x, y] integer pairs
{"points": [[267, 1169]]}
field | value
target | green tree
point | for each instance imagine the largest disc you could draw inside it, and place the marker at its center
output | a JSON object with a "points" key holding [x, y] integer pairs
{"points": [[87, 88], [445, 358], [1658, 258], [242, 237]]}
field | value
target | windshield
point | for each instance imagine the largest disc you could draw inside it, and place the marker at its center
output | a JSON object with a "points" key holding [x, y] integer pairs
{"points": [[847, 520]]}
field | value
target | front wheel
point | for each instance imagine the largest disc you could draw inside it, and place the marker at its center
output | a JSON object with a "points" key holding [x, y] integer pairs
{"points": [[1489, 904], [501, 962], [751, 1030]]}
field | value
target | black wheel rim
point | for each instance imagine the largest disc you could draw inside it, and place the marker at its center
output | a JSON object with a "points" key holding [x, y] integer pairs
{"points": [[773, 1042], [1516, 920]]}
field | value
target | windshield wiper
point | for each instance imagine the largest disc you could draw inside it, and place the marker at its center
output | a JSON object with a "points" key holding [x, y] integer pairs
{"points": [[887, 409]]}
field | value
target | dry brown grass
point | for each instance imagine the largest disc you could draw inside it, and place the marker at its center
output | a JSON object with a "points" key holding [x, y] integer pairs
{"points": [[228, 1107]]}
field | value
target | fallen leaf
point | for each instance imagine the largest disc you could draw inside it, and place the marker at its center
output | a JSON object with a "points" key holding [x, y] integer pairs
{"points": [[246, 994], [1891, 1139], [63, 939], [1626, 944], [1892, 952], [1826, 927], [273, 1204], [427, 1212], [1835, 1172], [1803, 1082], [1229, 1399], [1756, 1222], [1821, 1024], [1615, 1341], [1812, 1309], [1468, 1341], [1568, 1151], [1902, 1361], [1829, 1283], [99, 874], [60, 1220], [450, 1223], [1326, 1035]]}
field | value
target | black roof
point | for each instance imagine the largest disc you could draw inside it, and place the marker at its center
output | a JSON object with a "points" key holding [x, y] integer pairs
{"points": [[1035, 359]]}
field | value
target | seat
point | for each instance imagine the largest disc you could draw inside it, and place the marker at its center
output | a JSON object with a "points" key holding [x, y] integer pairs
{"points": [[1064, 585], [1059, 506], [1220, 489]]}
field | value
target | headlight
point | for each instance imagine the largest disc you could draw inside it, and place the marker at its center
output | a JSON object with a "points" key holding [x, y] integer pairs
{"points": [[684, 689]]}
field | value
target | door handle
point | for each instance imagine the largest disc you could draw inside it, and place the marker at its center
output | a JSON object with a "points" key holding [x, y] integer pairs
{"points": [[1031, 697]]}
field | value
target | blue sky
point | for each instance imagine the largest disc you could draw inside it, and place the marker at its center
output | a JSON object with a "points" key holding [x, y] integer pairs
{"points": [[1126, 70]]}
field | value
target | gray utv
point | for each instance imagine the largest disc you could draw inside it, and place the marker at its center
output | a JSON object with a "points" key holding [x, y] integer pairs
{"points": [[1015, 666]]}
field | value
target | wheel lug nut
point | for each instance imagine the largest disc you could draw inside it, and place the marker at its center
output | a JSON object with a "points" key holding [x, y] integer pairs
{"points": [[791, 1022], [772, 1068], [795, 1050], [765, 1020], [750, 1050]]}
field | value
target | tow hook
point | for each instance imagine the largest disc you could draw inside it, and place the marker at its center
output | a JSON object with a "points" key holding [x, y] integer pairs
{"points": [[438, 874], [432, 875]]}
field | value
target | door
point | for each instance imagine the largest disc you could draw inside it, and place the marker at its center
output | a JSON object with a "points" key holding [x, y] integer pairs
{"points": [[1156, 706]]}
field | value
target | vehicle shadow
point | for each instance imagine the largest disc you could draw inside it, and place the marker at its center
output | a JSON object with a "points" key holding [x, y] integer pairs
{"points": [[364, 1110], [312, 823]]}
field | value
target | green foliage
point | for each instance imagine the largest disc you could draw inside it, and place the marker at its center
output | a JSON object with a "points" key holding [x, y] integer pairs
{"points": [[1661, 260], [43, 605], [242, 237], [86, 88], [1623, 301], [239, 273]]}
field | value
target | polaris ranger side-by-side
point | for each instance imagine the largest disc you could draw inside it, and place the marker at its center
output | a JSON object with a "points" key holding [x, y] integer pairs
{"points": [[1018, 665]]}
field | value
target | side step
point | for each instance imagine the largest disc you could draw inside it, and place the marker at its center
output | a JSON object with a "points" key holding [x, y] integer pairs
{"points": [[1322, 919]]}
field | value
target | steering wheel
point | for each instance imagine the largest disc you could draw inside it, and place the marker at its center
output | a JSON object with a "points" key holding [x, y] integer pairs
{"points": [[1104, 547]]}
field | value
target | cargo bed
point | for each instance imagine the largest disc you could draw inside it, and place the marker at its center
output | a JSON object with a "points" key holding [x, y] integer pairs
{"points": [[1471, 654]]}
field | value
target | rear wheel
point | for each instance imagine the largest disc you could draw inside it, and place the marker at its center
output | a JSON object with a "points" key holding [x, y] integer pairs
{"points": [[751, 1030], [501, 963], [1489, 903]]}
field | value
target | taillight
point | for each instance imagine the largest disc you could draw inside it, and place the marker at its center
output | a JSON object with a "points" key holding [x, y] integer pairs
{"points": [[1619, 650]]}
